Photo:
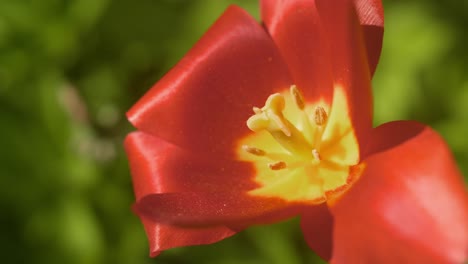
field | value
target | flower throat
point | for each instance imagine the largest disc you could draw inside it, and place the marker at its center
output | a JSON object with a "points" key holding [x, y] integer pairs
{"points": [[301, 151]]}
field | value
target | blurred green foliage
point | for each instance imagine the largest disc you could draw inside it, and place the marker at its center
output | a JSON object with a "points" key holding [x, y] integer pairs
{"points": [[69, 69]]}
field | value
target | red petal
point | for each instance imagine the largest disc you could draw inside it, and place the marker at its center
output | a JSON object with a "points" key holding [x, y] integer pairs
{"points": [[371, 17], [233, 208], [158, 167], [174, 186], [298, 32], [410, 205], [323, 44], [350, 68], [203, 103], [317, 227], [282, 16], [162, 237]]}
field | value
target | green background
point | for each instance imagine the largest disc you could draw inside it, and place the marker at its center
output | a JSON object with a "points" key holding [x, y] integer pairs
{"points": [[70, 69]]}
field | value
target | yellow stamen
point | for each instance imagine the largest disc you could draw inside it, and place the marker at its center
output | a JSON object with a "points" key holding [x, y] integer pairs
{"points": [[277, 165], [312, 147], [253, 150], [297, 97], [320, 116], [316, 154], [271, 118]]}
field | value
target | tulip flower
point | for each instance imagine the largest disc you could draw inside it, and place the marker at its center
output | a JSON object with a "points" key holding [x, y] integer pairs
{"points": [[263, 122]]}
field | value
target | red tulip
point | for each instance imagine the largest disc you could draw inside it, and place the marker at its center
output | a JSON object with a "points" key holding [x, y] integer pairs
{"points": [[206, 166]]}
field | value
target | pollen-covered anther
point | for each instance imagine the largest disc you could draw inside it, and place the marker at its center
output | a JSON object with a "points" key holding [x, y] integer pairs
{"points": [[303, 150], [297, 97], [320, 116], [316, 154], [253, 150], [277, 165]]}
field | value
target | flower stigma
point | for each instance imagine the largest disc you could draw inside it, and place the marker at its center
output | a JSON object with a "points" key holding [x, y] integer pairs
{"points": [[302, 151]]}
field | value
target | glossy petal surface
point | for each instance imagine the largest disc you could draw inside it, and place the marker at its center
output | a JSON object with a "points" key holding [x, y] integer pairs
{"points": [[160, 167], [203, 102], [410, 205], [175, 186], [162, 237], [152, 162], [299, 33], [371, 17], [370, 13], [234, 208], [324, 47]]}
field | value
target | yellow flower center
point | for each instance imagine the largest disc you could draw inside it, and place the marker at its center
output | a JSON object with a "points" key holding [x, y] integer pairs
{"points": [[301, 151]]}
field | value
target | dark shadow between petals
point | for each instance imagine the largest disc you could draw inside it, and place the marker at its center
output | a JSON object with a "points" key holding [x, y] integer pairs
{"points": [[390, 135]]}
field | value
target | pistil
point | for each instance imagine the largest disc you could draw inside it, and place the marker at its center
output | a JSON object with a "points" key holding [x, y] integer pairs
{"points": [[270, 118], [318, 148]]}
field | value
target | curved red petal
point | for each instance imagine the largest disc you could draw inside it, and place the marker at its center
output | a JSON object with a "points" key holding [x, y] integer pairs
{"points": [[370, 12], [410, 205], [162, 237], [158, 167], [282, 16], [178, 187], [233, 209], [350, 67], [317, 227], [323, 44], [298, 32], [371, 17], [203, 103]]}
